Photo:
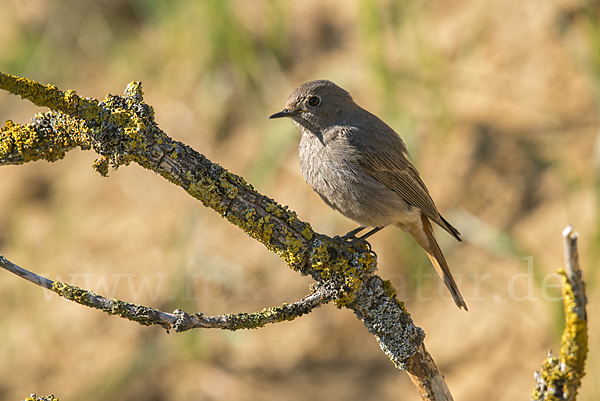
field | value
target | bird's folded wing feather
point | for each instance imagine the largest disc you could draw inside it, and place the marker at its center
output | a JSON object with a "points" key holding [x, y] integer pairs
{"points": [[399, 175]]}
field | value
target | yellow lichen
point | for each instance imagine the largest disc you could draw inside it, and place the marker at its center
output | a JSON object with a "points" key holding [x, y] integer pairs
{"points": [[574, 343], [101, 165], [32, 144], [563, 375], [35, 397], [274, 209], [308, 233], [326, 267], [50, 96], [230, 189], [205, 191], [292, 254], [389, 288], [265, 229]]}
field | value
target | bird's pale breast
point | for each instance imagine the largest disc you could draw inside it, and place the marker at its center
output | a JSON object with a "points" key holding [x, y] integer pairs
{"points": [[330, 164]]}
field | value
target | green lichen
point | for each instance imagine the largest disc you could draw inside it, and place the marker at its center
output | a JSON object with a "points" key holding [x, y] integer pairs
{"points": [[74, 293], [285, 312], [138, 313], [389, 289]]}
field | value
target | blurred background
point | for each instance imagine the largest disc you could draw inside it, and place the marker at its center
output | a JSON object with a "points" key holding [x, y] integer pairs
{"points": [[497, 102]]}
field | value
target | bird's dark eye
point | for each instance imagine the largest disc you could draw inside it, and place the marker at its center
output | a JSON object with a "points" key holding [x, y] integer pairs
{"points": [[314, 101]]}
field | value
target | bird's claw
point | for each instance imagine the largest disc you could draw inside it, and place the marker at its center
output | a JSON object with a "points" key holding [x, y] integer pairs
{"points": [[350, 238]]}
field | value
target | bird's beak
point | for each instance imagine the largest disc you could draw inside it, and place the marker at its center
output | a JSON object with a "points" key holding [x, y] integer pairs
{"points": [[286, 113]]}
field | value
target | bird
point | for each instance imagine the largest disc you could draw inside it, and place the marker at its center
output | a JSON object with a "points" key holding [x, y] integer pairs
{"points": [[360, 167]]}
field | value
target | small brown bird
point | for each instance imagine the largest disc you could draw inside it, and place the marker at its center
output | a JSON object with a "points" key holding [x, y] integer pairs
{"points": [[359, 166]]}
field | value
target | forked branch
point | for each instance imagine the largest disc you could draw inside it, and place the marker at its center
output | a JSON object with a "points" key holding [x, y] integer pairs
{"points": [[121, 129], [178, 320]]}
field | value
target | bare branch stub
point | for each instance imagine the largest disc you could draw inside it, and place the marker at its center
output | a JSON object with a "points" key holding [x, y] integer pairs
{"points": [[427, 378], [179, 320], [26, 274], [573, 272], [560, 377]]}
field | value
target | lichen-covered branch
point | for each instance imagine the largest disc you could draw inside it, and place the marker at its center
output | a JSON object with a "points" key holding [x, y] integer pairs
{"points": [[560, 377], [34, 397], [121, 129], [40, 139], [178, 320]]}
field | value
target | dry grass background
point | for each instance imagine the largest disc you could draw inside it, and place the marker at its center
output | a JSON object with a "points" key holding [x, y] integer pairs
{"points": [[498, 102]]}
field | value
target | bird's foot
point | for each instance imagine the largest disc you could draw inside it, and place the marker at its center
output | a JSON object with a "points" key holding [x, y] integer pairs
{"points": [[350, 239], [362, 246]]}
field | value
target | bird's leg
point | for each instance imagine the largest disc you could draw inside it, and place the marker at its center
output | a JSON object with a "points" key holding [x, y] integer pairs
{"points": [[350, 236], [350, 239], [363, 237]]}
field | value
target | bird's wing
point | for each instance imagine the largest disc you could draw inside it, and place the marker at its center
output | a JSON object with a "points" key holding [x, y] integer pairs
{"points": [[394, 170]]}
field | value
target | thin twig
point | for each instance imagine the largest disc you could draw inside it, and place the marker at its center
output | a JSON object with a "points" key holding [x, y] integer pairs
{"points": [[178, 320], [574, 275], [26, 274]]}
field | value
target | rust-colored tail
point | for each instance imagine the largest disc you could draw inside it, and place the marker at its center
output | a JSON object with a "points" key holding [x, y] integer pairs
{"points": [[439, 262]]}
